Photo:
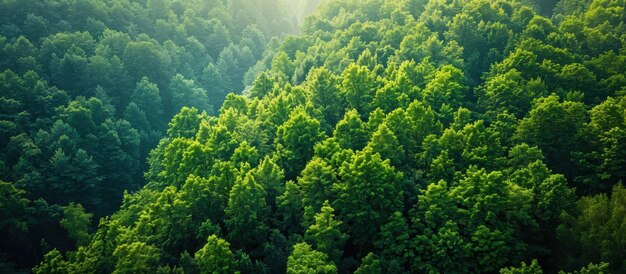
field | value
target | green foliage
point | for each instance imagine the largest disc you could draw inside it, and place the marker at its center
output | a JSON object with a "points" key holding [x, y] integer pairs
{"points": [[304, 259], [351, 132], [247, 214], [358, 87], [447, 88], [595, 233], [185, 123], [325, 234], [76, 222], [603, 160], [13, 209], [164, 221], [215, 257], [276, 251], [370, 265], [393, 243], [554, 126], [324, 87], [316, 182], [387, 136], [53, 262], [385, 143], [365, 203], [270, 176], [186, 94], [136, 257], [87, 89], [206, 195], [297, 136], [510, 92], [283, 65], [290, 206], [533, 268], [491, 210], [594, 269]]}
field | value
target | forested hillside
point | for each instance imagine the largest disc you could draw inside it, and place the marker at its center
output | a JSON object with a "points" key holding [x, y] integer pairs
{"points": [[87, 88], [406, 136]]}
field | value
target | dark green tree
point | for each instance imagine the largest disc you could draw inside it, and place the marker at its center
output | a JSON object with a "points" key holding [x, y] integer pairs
{"points": [[554, 127], [363, 203], [185, 93]]}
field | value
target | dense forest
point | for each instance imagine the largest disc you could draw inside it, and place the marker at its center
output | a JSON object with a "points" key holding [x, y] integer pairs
{"points": [[87, 88], [371, 136]]}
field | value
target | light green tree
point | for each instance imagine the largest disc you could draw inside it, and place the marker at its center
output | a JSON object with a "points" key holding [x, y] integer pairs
{"points": [[325, 234], [76, 222], [215, 257], [304, 259]]}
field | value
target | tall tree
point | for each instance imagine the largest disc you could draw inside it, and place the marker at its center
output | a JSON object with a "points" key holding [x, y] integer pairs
{"points": [[351, 132], [215, 257], [358, 87], [76, 222], [325, 234], [185, 93], [297, 136], [365, 204], [554, 127], [247, 214]]}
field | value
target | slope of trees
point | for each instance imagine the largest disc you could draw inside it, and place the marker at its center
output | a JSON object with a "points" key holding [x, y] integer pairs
{"points": [[389, 136], [87, 88]]}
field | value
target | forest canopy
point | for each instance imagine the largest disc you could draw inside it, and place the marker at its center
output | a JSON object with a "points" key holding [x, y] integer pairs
{"points": [[88, 87], [373, 136]]}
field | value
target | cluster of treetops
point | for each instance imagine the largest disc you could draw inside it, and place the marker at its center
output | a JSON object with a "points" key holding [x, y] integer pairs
{"points": [[408, 136], [87, 88]]}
